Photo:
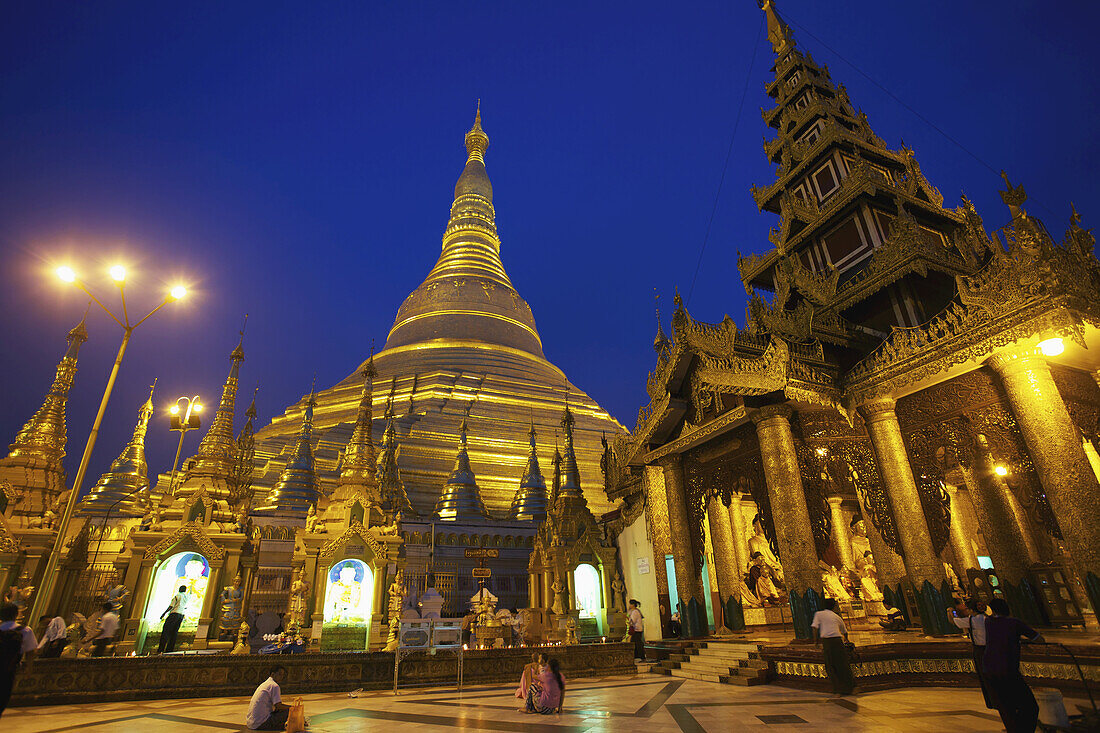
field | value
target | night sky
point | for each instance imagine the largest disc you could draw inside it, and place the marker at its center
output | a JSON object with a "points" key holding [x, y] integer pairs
{"points": [[296, 161]]}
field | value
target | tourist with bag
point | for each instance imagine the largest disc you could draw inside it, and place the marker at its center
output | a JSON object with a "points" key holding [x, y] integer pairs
{"points": [[17, 647], [266, 710], [970, 617]]}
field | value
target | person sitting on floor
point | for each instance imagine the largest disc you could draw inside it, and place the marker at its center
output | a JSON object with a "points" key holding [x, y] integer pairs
{"points": [[894, 620], [530, 674], [266, 710], [548, 694]]}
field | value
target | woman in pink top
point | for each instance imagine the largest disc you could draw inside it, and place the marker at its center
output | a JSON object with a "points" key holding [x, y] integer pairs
{"points": [[547, 695], [530, 674]]}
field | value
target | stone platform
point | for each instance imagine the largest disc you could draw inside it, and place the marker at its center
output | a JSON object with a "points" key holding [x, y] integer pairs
{"points": [[63, 681]]}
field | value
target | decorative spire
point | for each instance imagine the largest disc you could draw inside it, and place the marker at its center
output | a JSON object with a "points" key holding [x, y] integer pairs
{"points": [[246, 452], [216, 454], [476, 300], [779, 33], [44, 435], [555, 487], [119, 490], [661, 343], [529, 503], [394, 497], [359, 458], [461, 497], [571, 475], [297, 488]]}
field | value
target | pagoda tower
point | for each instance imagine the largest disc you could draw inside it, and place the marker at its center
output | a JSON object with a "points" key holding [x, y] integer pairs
{"points": [[394, 497], [461, 497], [124, 489], [529, 503], [31, 476], [465, 334]]}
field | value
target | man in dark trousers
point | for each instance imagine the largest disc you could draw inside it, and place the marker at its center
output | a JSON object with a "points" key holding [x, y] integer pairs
{"points": [[17, 646], [829, 629], [172, 624], [1001, 666]]}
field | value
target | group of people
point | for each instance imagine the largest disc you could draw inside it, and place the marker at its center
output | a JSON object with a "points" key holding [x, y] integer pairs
{"points": [[542, 686], [995, 636]]}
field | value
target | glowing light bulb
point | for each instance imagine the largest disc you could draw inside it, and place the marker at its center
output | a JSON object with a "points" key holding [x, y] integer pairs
{"points": [[178, 292], [196, 407], [66, 274], [1000, 470], [118, 273], [174, 409], [1052, 347]]}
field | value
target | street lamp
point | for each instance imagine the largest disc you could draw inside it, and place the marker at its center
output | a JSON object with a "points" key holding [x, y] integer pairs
{"points": [[183, 420], [118, 275]]}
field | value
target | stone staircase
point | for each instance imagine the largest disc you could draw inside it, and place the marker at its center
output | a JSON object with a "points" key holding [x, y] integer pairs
{"points": [[726, 662]]}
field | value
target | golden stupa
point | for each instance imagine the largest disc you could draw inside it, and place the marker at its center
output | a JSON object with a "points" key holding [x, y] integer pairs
{"points": [[463, 344]]}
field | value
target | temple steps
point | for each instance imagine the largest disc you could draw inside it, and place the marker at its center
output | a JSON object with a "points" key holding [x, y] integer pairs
{"points": [[730, 663]]}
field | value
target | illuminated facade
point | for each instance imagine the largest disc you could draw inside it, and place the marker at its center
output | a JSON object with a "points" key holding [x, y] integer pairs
{"points": [[910, 370]]}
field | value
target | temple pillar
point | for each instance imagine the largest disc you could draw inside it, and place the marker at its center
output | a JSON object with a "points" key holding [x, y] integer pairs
{"points": [[1009, 548], [922, 565], [962, 530], [889, 567], [740, 535], [547, 588], [842, 536], [1058, 457], [725, 557], [532, 585], [689, 584], [793, 530]]}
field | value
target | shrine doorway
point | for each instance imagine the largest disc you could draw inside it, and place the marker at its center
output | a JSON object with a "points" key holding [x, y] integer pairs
{"points": [[187, 569], [349, 594], [588, 595]]}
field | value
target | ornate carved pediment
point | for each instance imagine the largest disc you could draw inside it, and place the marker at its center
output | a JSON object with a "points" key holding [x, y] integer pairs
{"points": [[773, 318], [355, 533], [745, 376], [190, 536]]}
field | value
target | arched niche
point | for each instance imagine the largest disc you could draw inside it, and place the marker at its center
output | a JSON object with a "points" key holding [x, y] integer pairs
{"points": [[349, 593], [190, 570]]}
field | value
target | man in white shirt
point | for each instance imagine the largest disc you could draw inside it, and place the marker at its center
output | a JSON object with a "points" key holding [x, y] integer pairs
{"points": [[266, 710], [970, 617], [108, 625], [829, 629], [15, 650], [176, 608]]}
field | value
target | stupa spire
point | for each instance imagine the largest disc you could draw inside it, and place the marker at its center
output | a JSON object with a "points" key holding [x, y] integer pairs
{"points": [[394, 497], [779, 33], [215, 457], [359, 458], [461, 497], [571, 475], [529, 503], [468, 295], [297, 488], [122, 485], [44, 436]]}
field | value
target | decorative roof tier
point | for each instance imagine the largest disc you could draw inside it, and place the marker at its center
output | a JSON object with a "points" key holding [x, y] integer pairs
{"points": [[394, 497], [123, 490], [297, 489], [529, 503], [461, 498]]}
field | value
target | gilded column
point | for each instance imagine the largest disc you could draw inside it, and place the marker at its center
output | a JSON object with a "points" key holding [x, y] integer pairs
{"points": [[1058, 457], [1007, 539], [547, 588], [791, 517], [961, 532], [688, 580], [922, 565], [740, 534], [842, 536], [725, 557]]}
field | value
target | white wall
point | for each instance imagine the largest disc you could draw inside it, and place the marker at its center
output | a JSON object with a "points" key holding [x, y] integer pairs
{"points": [[634, 544]]}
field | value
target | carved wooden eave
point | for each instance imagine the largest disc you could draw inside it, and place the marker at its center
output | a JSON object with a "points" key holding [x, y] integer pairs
{"points": [[722, 424], [190, 536], [1033, 290], [356, 532]]}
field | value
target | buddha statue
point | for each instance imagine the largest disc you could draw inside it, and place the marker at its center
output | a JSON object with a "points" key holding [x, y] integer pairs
{"points": [[232, 601], [868, 582], [861, 546], [758, 543], [344, 595], [833, 587]]}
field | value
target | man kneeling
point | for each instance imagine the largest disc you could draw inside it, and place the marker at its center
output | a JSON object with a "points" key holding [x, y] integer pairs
{"points": [[266, 710]]}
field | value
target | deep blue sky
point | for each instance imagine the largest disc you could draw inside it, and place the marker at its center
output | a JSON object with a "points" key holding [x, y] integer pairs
{"points": [[296, 162]]}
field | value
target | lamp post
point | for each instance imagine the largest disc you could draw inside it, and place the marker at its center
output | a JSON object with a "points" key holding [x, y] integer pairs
{"points": [[118, 275], [188, 420]]}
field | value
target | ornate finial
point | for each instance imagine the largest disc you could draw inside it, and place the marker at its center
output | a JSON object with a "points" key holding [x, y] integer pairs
{"points": [[477, 142], [238, 353], [148, 406], [1074, 217], [779, 33], [250, 413], [660, 341], [369, 372], [1013, 197]]}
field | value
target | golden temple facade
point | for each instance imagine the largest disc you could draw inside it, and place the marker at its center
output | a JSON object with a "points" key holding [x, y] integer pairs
{"points": [[913, 413]]}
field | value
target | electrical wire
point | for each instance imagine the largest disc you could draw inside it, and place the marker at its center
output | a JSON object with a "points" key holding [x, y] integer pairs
{"points": [[725, 166]]}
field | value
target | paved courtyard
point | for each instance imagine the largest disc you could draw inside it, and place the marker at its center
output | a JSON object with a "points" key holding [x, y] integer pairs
{"points": [[643, 703]]}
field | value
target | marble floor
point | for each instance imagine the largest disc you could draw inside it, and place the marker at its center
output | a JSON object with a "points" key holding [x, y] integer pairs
{"points": [[640, 703]]}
